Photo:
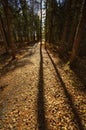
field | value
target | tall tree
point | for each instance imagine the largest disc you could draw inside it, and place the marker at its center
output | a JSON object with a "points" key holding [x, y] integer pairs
{"points": [[24, 7], [41, 20], [46, 22], [74, 14], [3, 34], [67, 13]]}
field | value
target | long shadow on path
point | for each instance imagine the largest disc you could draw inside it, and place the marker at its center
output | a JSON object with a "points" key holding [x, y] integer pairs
{"points": [[8, 64], [69, 97], [40, 101]]}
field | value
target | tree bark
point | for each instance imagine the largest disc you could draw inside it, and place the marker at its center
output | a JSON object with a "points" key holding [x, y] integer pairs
{"points": [[74, 23], [46, 25], [3, 34], [9, 27], [64, 34], [41, 22]]}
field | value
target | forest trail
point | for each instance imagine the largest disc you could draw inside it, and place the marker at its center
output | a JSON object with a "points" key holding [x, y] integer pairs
{"points": [[39, 92]]}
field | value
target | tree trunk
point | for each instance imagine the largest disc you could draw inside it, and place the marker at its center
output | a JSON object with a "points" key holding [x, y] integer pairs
{"points": [[46, 25], [74, 23], [72, 31], [50, 21], [3, 34], [24, 11], [64, 34], [41, 22], [79, 32]]}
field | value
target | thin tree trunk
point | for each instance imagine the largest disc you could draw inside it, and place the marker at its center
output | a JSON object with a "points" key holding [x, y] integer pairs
{"points": [[41, 21], [64, 34], [50, 21], [3, 34], [72, 30], [24, 11], [46, 26], [74, 24]]}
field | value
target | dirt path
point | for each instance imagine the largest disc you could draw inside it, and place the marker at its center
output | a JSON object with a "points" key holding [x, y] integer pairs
{"points": [[40, 93]]}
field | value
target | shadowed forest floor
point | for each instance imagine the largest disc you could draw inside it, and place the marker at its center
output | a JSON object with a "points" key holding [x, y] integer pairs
{"points": [[39, 92]]}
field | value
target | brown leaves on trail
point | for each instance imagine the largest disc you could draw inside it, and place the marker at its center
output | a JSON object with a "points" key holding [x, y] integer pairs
{"points": [[27, 94]]}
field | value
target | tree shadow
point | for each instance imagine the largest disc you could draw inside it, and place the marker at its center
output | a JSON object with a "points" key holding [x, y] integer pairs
{"points": [[40, 100], [79, 68], [30, 53], [68, 95], [13, 65], [28, 50], [22, 59]]}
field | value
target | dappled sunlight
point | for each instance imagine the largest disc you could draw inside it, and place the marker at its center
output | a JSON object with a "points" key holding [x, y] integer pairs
{"points": [[41, 95], [58, 108], [20, 61], [42, 65], [19, 95]]}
